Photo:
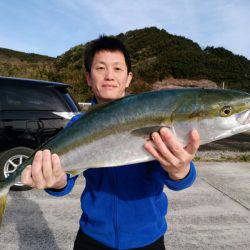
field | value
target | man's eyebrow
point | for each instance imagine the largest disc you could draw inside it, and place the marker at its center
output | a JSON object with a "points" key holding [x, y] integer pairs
{"points": [[119, 63], [116, 63], [100, 62]]}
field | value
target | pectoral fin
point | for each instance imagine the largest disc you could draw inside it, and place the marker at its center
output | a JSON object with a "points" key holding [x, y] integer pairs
{"points": [[146, 131]]}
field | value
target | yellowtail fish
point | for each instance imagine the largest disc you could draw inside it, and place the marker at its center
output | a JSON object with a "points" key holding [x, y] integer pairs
{"points": [[113, 134]]}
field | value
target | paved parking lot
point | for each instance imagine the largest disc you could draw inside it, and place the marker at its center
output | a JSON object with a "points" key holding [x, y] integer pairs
{"points": [[213, 214]]}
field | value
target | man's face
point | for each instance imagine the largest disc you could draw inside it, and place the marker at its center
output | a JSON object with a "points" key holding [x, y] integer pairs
{"points": [[109, 76]]}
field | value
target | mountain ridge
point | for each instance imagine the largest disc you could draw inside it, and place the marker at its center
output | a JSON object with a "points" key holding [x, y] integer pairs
{"points": [[157, 57]]}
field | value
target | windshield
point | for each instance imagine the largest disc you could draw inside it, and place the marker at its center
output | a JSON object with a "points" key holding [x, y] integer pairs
{"points": [[24, 97]]}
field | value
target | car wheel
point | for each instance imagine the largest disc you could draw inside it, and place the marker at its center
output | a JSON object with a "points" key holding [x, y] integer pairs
{"points": [[9, 162]]}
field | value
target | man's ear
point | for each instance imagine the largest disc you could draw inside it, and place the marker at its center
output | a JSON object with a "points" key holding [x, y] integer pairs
{"points": [[88, 79], [129, 79]]}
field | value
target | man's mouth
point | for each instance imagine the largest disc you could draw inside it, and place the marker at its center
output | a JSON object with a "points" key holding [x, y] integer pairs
{"points": [[109, 86]]}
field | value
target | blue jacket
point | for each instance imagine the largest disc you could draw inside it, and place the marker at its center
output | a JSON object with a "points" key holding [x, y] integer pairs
{"points": [[125, 207]]}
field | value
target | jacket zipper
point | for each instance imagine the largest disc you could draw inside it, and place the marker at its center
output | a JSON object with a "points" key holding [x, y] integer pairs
{"points": [[115, 210]]}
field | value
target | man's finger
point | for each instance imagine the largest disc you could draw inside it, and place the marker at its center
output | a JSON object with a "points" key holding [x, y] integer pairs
{"points": [[47, 168], [173, 144], [161, 147], [26, 177], [149, 146], [193, 143], [56, 165], [36, 170]]}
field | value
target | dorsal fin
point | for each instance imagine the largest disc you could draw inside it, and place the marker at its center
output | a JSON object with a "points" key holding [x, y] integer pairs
{"points": [[101, 105]]}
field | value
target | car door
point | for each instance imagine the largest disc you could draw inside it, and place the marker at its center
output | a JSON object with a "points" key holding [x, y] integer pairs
{"points": [[1, 123]]}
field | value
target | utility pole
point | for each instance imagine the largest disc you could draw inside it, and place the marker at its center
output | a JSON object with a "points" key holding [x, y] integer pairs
{"points": [[223, 85]]}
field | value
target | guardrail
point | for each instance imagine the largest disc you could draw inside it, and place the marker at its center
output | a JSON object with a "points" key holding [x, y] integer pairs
{"points": [[84, 106]]}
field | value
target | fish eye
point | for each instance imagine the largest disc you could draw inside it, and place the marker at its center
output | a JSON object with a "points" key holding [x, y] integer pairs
{"points": [[226, 111]]}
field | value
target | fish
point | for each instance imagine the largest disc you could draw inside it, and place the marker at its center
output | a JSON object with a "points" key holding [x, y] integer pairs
{"points": [[113, 134]]}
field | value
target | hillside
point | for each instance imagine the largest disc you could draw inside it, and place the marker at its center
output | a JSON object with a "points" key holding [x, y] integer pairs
{"points": [[27, 65], [159, 60]]}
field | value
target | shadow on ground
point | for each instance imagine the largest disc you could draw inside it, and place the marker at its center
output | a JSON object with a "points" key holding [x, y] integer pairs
{"points": [[30, 219], [239, 142]]}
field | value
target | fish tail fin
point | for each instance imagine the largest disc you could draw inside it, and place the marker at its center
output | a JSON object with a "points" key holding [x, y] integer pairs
{"points": [[3, 201]]}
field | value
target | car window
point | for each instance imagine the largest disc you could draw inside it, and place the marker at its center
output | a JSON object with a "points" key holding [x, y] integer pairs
{"points": [[21, 97]]}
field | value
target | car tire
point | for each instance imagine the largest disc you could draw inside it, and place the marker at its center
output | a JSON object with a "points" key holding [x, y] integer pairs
{"points": [[15, 155]]}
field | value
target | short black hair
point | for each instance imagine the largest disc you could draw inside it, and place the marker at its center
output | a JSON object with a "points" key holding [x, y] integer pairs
{"points": [[104, 43]]}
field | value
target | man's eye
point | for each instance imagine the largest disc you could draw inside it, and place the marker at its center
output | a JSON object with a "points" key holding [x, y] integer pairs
{"points": [[118, 69], [100, 68]]}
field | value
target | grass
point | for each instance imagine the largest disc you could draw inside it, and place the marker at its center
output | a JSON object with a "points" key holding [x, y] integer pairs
{"points": [[238, 158]]}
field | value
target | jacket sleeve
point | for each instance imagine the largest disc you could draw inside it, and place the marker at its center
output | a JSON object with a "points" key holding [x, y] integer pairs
{"points": [[70, 180], [162, 176], [66, 190]]}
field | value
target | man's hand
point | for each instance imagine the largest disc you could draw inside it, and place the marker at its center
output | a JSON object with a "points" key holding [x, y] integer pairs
{"points": [[45, 172], [175, 159]]}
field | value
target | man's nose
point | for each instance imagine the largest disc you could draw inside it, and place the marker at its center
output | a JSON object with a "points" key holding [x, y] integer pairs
{"points": [[109, 74]]}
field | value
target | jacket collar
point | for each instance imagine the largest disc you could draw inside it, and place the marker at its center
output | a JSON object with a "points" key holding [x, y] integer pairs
{"points": [[93, 101]]}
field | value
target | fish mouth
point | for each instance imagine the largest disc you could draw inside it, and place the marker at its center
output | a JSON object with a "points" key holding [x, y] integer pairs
{"points": [[243, 120], [244, 117]]}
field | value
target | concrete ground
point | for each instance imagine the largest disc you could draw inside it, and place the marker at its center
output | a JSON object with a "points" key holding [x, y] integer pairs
{"points": [[215, 212], [212, 214]]}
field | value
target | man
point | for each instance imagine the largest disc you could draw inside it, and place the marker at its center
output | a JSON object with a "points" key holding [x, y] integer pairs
{"points": [[123, 207]]}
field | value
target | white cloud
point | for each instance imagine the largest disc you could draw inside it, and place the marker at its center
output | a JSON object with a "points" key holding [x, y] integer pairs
{"points": [[235, 21], [55, 26]]}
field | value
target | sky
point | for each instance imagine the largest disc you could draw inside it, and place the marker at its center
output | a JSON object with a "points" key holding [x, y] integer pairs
{"points": [[51, 27]]}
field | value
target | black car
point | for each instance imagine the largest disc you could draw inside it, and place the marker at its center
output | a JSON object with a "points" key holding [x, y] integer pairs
{"points": [[31, 112]]}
